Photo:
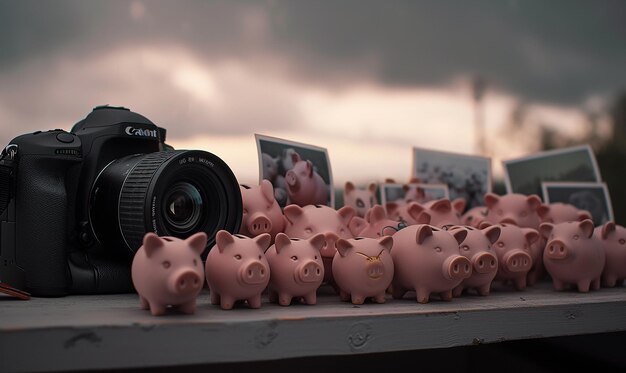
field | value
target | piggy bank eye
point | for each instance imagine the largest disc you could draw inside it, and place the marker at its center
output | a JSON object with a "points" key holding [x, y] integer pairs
{"points": [[195, 262], [308, 230], [238, 256], [465, 248], [500, 244], [488, 248], [166, 264], [294, 258], [622, 241], [438, 249], [576, 237], [524, 214], [245, 211], [260, 257], [359, 203], [341, 230], [315, 257]]}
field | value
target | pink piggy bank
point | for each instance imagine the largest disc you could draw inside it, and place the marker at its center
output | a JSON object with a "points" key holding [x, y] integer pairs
{"points": [[474, 216], [375, 224], [361, 200], [613, 239], [441, 213], [296, 269], [477, 248], [363, 268], [304, 185], [237, 269], [305, 222], [513, 253], [426, 259], [261, 212], [559, 212], [167, 271], [572, 255]]}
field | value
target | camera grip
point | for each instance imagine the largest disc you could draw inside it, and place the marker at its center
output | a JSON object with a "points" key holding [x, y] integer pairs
{"points": [[42, 231]]}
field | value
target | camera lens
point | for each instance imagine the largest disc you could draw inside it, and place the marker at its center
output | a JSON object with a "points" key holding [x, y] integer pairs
{"points": [[171, 193], [183, 207]]}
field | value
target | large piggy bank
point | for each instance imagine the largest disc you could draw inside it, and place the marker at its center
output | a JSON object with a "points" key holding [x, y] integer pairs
{"points": [[477, 248], [305, 222], [361, 200], [363, 268], [168, 271], [426, 259], [613, 240], [304, 185], [514, 253], [474, 216], [572, 256], [296, 269], [375, 224], [440, 213], [237, 269], [559, 212], [261, 212]]}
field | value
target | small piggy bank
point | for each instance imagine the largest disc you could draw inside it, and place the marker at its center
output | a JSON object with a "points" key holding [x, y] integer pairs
{"points": [[375, 224], [441, 213], [304, 185], [572, 256], [613, 239], [514, 253], [361, 200], [168, 271], [474, 216], [363, 268], [477, 248], [559, 212], [296, 269], [426, 259], [305, 222], [261, 212], [237, 269]]}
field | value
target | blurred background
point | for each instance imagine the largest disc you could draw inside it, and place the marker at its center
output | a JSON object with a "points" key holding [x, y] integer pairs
{"points": [[368, 80]]}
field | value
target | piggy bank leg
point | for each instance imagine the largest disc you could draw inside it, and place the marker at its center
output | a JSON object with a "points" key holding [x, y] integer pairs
{"points": [[380, 298], [484, 290], [344, 295], [397, 292], [255, 301], [310, 298], [144, 303], [226, 302], [422, 295], [609, 280], [446, 295], [520, 283], [284, 299], [215, 297], [357, 298], [457, 291], [583, 285], [188, 308], [595, 284], [157, 309]]}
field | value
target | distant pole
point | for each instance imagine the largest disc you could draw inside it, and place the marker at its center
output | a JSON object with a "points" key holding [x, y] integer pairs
{"points": [[478, 89]]}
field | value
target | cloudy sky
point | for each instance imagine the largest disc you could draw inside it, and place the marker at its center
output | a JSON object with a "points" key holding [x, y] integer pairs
{"points": [[368, 80]]}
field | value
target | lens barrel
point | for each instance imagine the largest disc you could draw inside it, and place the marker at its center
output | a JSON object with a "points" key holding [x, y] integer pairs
{"points": [[171, 193]]}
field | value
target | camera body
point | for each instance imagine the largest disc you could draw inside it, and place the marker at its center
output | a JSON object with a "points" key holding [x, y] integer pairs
{"points": [[76, 205]]}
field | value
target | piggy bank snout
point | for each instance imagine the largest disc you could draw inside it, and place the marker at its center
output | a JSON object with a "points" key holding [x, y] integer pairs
{"points": [[328, 249], [484, 263], [517, 260], [310, 271], [259, 223], [291, 178], [556, 249], [457, 267], [185, 281], [375, 269], [253, 273], [509, 220]]}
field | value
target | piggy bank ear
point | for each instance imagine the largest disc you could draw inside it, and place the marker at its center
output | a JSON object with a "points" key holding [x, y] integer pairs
{"points": [[223, 239], [545, 229], [533, 201], [386, 242], [443, 205], [377, 213], [349, 187], [295, 158], [343, 246], [492, 233], [587, 227], [491, 199], [281, 241], [406, 187], [391, 207], [543, 211], [423, 217], [292, 213], [356, 226], [485, 224], [318, 241], [309, 168], [268, 191], [414, 209], [151, 243], [583, 215], [197, 242], [459, 235], [423, 232], [531, 235], [263, 241], [372, 188], [607, 228], [458, 205], [346, 213]]}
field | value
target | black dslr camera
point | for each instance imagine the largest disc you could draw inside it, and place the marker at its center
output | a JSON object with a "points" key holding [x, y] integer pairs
{"points": [[74, 206]]}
